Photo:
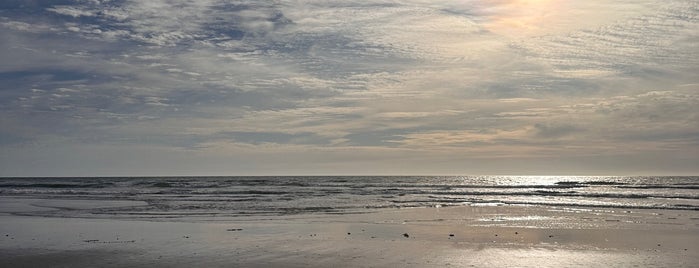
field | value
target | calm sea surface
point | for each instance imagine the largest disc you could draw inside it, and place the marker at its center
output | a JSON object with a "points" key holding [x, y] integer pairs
{"points": [[174, 197]]}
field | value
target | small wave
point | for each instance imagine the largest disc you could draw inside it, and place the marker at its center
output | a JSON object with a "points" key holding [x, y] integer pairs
{"points": [[162, 185], [57, 185], [447, 186], [568, 183], [688, 187], [257, 192], [603, 183], [432, 202], [587, 183], [570, 194]]}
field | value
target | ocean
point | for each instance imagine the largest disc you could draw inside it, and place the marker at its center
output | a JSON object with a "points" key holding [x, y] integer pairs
{"points": [[213, 197]]}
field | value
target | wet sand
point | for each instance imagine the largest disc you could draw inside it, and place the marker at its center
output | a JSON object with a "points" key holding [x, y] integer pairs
{"points": [[507, 236]]}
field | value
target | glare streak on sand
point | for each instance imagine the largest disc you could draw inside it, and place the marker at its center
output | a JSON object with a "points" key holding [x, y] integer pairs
{"points": [[519, 236]]}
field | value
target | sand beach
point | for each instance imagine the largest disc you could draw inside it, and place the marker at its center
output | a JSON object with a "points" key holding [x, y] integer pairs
{"points": [[459, 236]]}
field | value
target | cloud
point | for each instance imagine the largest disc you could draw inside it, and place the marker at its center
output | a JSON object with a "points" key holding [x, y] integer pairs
{"points": [[442, 80], [651, 44], [554, 131]]}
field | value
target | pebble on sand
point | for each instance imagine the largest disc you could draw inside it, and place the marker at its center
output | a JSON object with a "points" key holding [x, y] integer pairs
{"points": [[406, 235]]}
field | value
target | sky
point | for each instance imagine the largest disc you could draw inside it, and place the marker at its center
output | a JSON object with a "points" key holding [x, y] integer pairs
{"points": [[334, 87]]}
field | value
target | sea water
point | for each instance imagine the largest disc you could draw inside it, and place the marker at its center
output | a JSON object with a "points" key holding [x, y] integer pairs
{"points": [[173, 197]]}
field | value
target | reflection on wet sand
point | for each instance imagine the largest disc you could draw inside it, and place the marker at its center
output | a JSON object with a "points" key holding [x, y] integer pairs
{"points": [[419, 237]]}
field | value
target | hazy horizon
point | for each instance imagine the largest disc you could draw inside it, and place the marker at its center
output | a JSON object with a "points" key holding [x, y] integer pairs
{"points": [[379, 87]]}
